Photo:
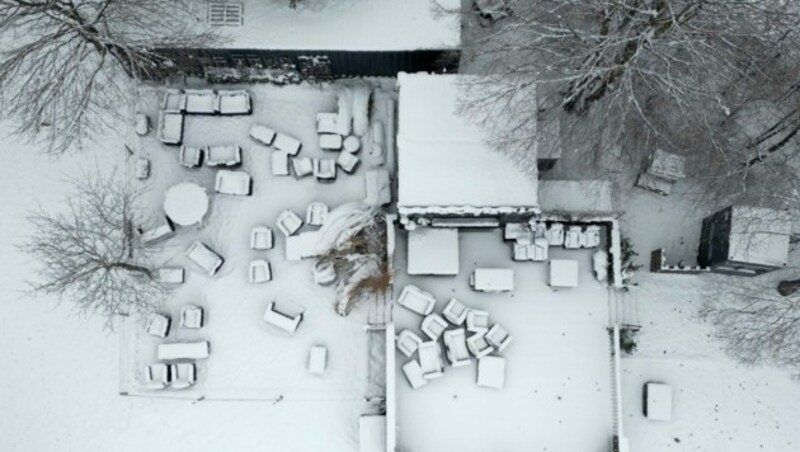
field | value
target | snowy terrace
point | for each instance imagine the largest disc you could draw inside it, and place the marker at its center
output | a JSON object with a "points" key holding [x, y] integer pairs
{"points": [[249, 359], [558, 384], [358, 25]]}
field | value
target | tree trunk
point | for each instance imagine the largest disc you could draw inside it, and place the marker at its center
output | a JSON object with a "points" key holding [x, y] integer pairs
{"points": [[787, 287]]}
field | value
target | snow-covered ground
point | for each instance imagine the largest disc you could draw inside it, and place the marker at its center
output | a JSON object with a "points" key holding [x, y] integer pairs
{"points": [[557, 395]]}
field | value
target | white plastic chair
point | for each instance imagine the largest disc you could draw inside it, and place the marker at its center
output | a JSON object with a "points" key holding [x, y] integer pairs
{"points": [[259, 272], [455, 344], [261, 238], [433, 326], [455, 312], [289, 222], [498, 337]]}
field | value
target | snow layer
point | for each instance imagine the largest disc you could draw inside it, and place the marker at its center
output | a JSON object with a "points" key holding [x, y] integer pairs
{"points": [[444, 159], [344, 25]]}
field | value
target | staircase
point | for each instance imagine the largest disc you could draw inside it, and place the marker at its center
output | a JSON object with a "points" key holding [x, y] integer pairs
{"points": [[623, 309]]}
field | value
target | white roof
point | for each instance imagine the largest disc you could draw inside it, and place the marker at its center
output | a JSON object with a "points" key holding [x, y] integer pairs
{"points": [[575, 196], [659, 402], [759, 236], [446, 161], [433, 251], [343, 25]]}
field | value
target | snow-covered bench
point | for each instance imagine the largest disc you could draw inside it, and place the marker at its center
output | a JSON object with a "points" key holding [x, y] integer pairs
{"points": [[513, 231], [142, 169], [163, 231], [430, 360], [191, 317], [170, 127], [414, 374], [408, 342], [156, 376], [233, 183], [498, 337], [378, 149], [171, 275], [289, 222], [190, 157], [433, 326], [142, 125], [280, 163], [206, 259], [259, 271], [234, 102], [201, 101], [183, 375], [225, 155], [316, 213], [378, 187], [183, 350], [455, 312], [158, 325], [477, 321], [478, 345], [282, 320], [262, 134], [416, 300], [325, 170], [455, 345], [286, 143], [261, 238], [317, 359]]}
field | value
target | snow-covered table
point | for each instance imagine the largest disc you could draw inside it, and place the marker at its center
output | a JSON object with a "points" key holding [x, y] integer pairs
{"points": [[372, 433], [317, 359], [492, 372], [492, 279], [183, 350], [433, 251], [658, 401], [563, 273], [186, 203]]}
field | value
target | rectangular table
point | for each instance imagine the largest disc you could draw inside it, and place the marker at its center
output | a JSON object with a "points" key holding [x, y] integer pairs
{"points": [[183, 350], [563, 273], [492, 279]]}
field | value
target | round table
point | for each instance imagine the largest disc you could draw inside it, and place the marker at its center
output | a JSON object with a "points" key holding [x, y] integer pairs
{"points": [[352, 144], [186, 203]]}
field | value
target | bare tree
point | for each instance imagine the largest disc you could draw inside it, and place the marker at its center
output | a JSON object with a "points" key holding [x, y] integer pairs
{"points": [[68, 66], [757, 324], [88, 255]]}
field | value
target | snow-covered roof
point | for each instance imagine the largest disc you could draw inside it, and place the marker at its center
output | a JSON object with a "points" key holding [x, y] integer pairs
{"points": [[759, 236], [445, 162], [575, 196], [343, 25]]}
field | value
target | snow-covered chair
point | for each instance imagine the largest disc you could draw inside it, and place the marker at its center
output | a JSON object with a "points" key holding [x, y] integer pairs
{"points": [[455, 346], [171, 275], [224, 155], [523, 249], [280, 319], [302, 166], [233, 183], [206, 259], [591, 237], [156, 376], [289, 222], [325, 170], [174, 101], [498, 337], [430, 360], [234, 102], [600, 265], [477, 321], [433, 326], [259, 271], [280, 163], [170, 127], [158, 325], [190, 156], [183, 375], [572, 238], [286, 143], [142, 169], [539, 249], [348, 162], [330, 142], [538, 229], [142, 126], [324, 272], [317, 213], [201, 102], [513, 231], [414, 374], [261, 238], [378, 187], [478, 345], [408, 342], [326, 123], [262, 134], [191, 317], [455, 312], [416, 300], [555, 234]]}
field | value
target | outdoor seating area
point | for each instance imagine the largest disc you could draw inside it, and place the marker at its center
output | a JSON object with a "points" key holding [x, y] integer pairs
{"points": [[175, 368]]}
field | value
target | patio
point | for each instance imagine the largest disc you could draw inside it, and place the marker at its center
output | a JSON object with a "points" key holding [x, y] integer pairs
{"points": [[557, 394]]}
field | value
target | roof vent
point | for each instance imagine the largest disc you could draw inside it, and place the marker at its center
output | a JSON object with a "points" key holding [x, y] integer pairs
{"points": [[226, 14]]}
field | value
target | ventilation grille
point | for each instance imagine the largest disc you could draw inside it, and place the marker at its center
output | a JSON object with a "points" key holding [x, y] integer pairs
{"points": [[226, 14]]}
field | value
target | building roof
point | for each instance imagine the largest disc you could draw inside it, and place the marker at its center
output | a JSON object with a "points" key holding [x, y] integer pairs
{"points": [[759, 236], [387, 25], [445, 162]]}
